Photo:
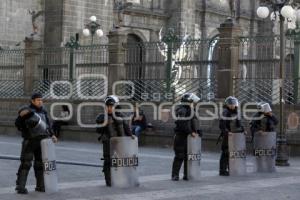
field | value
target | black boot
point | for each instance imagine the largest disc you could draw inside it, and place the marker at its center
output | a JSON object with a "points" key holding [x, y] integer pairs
{"points": [[175, 178], [176, 168], [224, 173], [106, 171], [224, 164], [17, 181], [18, 177], [21, 182], [107, 178], [185, 171], [40, 186]]}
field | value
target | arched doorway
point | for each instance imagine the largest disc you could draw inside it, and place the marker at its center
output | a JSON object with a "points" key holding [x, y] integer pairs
{"points": [[134, 57], [134, 63]]}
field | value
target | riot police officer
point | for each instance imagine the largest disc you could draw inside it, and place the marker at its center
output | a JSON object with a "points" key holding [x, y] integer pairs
{"points": [[113, 125], [229, 123], [185, 125], [264, 120], [34, 124]]}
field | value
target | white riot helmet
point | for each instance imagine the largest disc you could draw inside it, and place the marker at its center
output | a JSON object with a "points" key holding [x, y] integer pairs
{"points": [[190, 98], [232, 101], [111, 100], [264, 107]]}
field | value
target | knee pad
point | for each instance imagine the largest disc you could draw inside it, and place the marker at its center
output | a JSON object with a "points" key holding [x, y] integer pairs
{"points": [[38, 165], [27, 157], [106, 154], [106, 163], [181, 155], [26, 165], [179, 148], [226, 153], [106, 168]]}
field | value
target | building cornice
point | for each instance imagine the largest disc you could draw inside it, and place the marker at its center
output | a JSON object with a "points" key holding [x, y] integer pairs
{"points": [[138, 11]]}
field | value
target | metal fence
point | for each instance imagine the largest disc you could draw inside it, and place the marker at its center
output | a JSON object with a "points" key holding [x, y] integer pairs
{"points": [[70, 73], [260, 68], [11, 73], [164, 71], [60, 72], [158, 71]]}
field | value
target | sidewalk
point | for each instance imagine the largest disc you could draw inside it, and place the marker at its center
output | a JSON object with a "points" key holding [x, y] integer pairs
{"points": [[86, 183]]}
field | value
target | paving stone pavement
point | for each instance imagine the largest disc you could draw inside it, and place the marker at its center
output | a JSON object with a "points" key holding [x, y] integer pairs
{"points": [[86, 183]]}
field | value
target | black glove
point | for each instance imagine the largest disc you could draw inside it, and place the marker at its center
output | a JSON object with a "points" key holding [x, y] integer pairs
{"points": [[50, 132], [32, 121], [200, 133]]}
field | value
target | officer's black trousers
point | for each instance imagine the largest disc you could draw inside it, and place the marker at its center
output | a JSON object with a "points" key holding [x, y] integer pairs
{"points": [[106, 164], [180, 149], [224, 160], [31, 148]]}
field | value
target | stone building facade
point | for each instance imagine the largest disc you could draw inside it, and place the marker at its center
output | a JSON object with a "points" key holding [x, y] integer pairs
{"points": [[16, 21], [52, 23], [61, 19]]}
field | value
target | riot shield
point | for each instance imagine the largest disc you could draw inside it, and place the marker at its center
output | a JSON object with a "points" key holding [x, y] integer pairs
{"points": [[37, 125], [265, 151], [237, 154], [49, 162], [194, 157], [124, 162]]}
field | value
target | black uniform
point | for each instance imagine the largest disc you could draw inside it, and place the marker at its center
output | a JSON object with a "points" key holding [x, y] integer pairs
{"points": [[182, 130], [228, 125], [114, 127], [266, 124], [31, 147]]}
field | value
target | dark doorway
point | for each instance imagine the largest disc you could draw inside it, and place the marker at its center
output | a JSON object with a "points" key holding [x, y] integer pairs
{"points": [[134, 64]]}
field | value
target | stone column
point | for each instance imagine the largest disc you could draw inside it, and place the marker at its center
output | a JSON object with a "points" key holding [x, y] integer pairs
{"points": [[116, 69], [228, 66], [54, 22], [32, 54]]}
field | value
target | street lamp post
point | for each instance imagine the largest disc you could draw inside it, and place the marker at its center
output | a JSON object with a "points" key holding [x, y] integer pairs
{"points": [[92, 28], [283, 10], [72, 44]]}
